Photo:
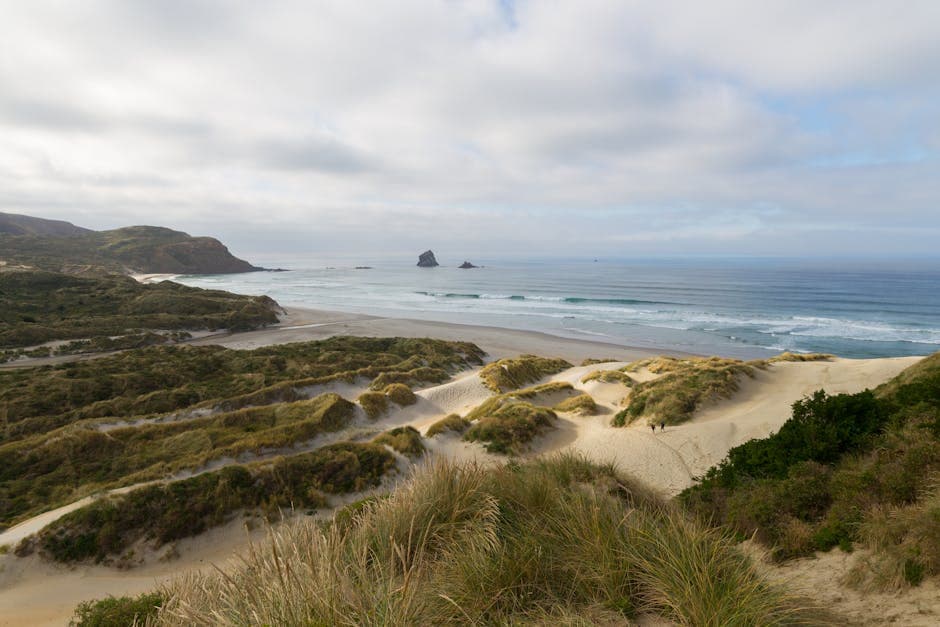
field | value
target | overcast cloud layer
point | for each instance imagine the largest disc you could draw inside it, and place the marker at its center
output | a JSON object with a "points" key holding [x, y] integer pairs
{"points": [[797, 127]]}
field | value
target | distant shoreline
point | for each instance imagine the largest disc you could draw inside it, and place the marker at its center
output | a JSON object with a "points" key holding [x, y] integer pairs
{"points": [[301, 324]]}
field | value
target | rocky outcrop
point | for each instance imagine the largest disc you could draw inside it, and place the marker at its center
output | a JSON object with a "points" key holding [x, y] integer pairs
{"points": [[466, 264], [427, 260]]}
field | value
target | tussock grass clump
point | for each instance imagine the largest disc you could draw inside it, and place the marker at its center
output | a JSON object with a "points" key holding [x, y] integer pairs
{"points": [[162, 513], [114, 611], [406, 440], [451, 423], [608, 376], [590, 361], [400, 394], [374, 403], [510, 374], [549, 540], [581, 404], [788, 356], [905, 541], [509, 428], [684, 386]]}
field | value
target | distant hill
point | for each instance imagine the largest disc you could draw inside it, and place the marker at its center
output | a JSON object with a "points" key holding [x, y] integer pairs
{"points": [[14, 224], [58, 246]]}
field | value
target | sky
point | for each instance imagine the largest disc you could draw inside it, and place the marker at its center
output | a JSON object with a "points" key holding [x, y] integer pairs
{"points": [[481, 127]]}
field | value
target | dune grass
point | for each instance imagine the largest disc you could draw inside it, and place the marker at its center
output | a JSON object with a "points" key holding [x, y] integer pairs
{"points": [[406, 440], [400, 394], [43, 471], [511, 374], [110, 527], [510, 427], [685, 385], [451, 423], [182, 378], [373, 403], [582, 404], [549, 541], [608, 376]]}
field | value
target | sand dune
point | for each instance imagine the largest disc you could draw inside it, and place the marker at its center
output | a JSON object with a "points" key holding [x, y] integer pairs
{"points": [[667, 461]]}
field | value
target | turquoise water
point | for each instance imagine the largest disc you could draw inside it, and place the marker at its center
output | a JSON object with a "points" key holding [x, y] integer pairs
{"points": [[743, 308]]}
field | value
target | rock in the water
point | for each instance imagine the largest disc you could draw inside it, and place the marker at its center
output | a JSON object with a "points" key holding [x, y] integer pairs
{"points": [[427, 260], [467, 264]]}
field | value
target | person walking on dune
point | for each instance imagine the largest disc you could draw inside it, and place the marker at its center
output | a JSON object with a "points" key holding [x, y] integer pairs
{"points": [[662, 426], [653, 427]]}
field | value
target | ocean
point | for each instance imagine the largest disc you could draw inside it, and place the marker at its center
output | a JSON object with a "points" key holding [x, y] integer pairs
{"points": [[734, 307]]}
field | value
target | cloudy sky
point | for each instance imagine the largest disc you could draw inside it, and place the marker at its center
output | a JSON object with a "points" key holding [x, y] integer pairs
{"points": [[493, 126]]}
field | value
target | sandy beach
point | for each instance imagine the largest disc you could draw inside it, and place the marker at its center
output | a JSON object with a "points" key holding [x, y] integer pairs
{"points": [[666, 460]]}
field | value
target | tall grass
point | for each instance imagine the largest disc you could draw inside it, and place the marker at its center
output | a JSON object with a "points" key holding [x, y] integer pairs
{"points": [[558, 540]]}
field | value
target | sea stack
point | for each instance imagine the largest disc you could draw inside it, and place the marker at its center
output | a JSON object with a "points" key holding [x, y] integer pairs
{"points": [[427, 260], [467, 264]]}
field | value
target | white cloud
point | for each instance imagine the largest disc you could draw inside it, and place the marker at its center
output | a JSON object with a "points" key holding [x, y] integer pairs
{"points": [[446, 121]]}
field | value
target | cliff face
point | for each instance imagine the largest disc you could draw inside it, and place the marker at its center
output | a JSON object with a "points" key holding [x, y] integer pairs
{"points": [[135, 249], [427, 260]]}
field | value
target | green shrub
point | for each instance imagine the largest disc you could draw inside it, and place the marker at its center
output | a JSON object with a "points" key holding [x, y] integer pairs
{"points": [[117, 612], [608, 376]]}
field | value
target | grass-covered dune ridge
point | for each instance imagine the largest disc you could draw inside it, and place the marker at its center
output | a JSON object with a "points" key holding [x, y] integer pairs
{"points": [[67, 431], [846, 470], [39, 307], [685, 385], [558, 540], [109, 528]]}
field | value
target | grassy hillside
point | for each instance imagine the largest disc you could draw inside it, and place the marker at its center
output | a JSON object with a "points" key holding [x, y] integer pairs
{"points": [[850, 469], [15, 224], [144, 249], [115, 311]]}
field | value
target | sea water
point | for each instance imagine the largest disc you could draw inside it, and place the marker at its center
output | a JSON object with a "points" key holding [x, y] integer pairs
{"points": [[734, 307]]}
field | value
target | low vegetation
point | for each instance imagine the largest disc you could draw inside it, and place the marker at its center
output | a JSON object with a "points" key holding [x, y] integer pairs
{"points": [[400, 394], [40, 472], [511, 374], [508, 428], [844, 470], [111, 527], [121, 611], [114, 312], [373, 403], [551, 541], [608, 376], [406, 440], [451, 423], [582, 404], [162, 380], [685, 385]]}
